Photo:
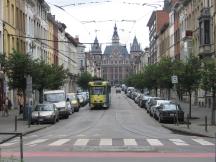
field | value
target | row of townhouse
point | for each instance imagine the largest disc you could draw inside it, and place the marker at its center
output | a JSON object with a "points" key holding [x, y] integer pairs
{"points": [[28, 27], [181, 28]]}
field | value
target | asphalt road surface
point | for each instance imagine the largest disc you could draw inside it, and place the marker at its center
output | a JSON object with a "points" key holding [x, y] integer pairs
{"points": [[124, 132]]}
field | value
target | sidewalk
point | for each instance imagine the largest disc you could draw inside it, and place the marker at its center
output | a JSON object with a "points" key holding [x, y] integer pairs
{"points": [[7, 125], [197, 123]]}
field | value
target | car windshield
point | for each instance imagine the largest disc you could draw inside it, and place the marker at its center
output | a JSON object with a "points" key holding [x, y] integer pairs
{"points": [[54, 97], [97, 90], [171, 107], [44, 108]]}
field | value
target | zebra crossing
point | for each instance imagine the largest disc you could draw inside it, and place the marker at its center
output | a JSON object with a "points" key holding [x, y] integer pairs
{"points": [[111, 142]]}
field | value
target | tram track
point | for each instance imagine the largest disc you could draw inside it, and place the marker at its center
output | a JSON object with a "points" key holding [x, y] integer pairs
{"points": [[133, 130]]}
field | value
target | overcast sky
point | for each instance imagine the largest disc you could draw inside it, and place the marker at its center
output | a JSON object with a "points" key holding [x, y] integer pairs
{"points": [[90, 18]]}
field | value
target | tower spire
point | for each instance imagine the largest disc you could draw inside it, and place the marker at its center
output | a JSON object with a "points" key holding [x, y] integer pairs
{"points": [[115, 37]]}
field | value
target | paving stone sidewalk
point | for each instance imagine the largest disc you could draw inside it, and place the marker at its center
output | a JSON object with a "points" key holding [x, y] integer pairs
{"points": [[7, 125], [197, 123]]}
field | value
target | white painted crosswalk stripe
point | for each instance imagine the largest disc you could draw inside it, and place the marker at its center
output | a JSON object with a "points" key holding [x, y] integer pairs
{"points": [[7, 144], [154, 142], [130, 142], [179, 142], [111, 142], [36, 142], [81, 142], [203, 142], [59, 142], [105, 142]]}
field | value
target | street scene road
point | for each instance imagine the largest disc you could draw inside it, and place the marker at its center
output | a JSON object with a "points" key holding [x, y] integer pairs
{"points": [[120, 132]]}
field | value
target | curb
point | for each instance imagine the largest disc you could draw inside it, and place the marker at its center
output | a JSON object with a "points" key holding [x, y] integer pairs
{"points": [[34, 130], [24, 133], [189, 132]]}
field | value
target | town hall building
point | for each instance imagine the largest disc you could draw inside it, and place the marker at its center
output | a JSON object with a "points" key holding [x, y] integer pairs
{"points": [[115, 64]]}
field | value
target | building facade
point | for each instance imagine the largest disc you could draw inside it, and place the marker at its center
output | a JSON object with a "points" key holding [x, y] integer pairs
{"points": [[155, 23], [189, 30], [1, 52], [115, 64]]}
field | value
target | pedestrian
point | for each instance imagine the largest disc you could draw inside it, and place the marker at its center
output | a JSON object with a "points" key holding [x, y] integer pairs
{"points": [[6, 107], [9, 104], [20, 107]]}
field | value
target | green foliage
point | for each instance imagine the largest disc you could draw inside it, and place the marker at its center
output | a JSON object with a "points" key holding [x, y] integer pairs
{"points": [[208, 81], [151, 76], [83, 80], [18, 66], [3, 61], [165, 71], [57, 76], [190, 78]]}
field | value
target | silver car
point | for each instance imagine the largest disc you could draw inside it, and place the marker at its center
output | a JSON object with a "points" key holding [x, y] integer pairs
{"points": [[45, 113]]}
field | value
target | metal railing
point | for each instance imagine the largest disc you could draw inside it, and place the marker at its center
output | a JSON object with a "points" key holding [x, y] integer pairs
{"points": [[14, 135]]}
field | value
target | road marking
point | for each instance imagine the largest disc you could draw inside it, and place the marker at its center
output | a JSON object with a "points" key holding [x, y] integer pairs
{"points": [[179, 142], [81, 142], [130, 142], [59, 142], [7, 144], [203, 142], [154, 142], [36, 141], [105, 142]]}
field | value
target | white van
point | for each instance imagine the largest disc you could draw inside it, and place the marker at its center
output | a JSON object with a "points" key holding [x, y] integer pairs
{"points": [[58, 97]]}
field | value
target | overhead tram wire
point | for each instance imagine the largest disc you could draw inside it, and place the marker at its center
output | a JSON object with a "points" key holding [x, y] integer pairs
{"points": [[85, 3], [61, 8]]}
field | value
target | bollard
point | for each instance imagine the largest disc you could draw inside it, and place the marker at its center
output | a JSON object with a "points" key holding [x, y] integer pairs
{"points": [[215, 147], [188, 121], [206, 124], [15, 124], [21, 148]]}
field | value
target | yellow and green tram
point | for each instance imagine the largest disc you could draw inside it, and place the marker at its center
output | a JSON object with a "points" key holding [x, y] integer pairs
{"points": [[99, 94]]}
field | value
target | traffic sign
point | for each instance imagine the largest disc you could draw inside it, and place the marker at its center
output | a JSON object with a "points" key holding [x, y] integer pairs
{"points": [[174, 79]]}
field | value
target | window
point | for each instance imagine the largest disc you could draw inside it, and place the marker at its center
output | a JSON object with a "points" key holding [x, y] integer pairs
{"points": [[81, 63], [205, 37], [206, 32], [12, 15]]}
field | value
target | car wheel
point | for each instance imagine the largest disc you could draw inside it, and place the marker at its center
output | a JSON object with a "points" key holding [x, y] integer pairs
{"points": [[54, 120], [159, 119]]}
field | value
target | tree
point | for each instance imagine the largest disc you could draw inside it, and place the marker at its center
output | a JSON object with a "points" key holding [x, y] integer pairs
{"points": [[83, 80], [208, 82], [18, 66], [165, 71], [46, 76], [151, 77], [190, 78]]}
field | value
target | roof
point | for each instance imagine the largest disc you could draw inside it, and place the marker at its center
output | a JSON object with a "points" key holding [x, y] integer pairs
{"points": [[135, 47], [96, 48], [120, 48]]}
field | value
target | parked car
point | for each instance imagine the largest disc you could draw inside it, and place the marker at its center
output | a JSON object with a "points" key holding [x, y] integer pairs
{"points": [[129, 91], [150, 102], [45, 113], [143, 100], [169, 112], [118, 90], [156, 105], [81, 99], [74, 101], [137, 98], [57, 97]]}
